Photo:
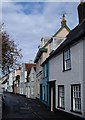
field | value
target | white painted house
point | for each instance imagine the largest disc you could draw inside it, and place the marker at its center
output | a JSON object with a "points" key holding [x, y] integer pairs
{"points": [[10, 82], [67, 70], [31, 85], [24, 77]]}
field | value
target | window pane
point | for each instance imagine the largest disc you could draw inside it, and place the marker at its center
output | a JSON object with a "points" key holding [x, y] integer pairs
{"points": [[67, 60], [76, 98], [61, 96]]}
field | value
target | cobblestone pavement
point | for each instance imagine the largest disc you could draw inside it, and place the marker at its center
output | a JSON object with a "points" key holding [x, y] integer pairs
{"points": [[17, 107]]}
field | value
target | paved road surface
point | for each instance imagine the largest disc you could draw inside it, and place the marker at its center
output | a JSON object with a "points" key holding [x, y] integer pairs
{"points": [[17, 107]]}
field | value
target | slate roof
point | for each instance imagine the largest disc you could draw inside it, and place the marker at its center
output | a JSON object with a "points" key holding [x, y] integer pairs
{"points": [[28, 66]]}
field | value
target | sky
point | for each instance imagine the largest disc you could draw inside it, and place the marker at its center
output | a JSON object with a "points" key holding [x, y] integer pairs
{"points": [[27, 22]]}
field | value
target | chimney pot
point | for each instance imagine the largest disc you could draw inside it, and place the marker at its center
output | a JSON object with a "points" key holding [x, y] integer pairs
{"points": [[81, 11]]}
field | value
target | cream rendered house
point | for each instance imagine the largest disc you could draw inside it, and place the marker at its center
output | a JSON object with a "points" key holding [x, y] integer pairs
{"points": [[40, 56]]}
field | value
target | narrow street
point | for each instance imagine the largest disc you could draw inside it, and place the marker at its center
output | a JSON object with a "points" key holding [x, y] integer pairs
{"points": [[16, 106], [19, 107]]}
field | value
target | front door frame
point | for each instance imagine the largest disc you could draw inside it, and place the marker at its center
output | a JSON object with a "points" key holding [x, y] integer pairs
{"points": [[52, 95]]}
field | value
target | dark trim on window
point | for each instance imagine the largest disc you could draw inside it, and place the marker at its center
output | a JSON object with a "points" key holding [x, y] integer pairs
{"points": [[66, 69], [76, 112], [63, 62], [67, 48], [58, 97], [75, 84], [72, 98], [61, 107]]}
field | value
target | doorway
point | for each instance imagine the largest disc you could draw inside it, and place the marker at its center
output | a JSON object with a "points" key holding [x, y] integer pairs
{"points": [[52, 95]]}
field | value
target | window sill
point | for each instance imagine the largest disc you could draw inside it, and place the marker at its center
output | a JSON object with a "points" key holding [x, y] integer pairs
{"points": [[66, 70], [61, 108], [76, 112]]}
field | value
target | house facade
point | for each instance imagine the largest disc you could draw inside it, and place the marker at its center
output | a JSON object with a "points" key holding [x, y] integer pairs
{"points": [[66, 71], [31, 85], [51, 45], [16, 80], [41, 55], [10, 82], [24, 77]]}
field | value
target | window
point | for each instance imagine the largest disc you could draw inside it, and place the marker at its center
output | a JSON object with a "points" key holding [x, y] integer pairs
{"points": [[61, 102], [46, 70], [43, 92], [32, 91], [46, 93], [32, 76], [76, 98], [67, 60]]}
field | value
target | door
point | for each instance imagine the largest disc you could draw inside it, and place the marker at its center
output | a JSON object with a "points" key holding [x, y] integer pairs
{"points": [[52, 95]]}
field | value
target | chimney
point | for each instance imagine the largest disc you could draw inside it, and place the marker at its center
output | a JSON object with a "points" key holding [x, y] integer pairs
{"points": [[81, 11], [63, 22]]}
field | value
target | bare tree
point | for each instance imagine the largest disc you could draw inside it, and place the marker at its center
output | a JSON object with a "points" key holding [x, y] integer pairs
{"points": [[10, 53]]}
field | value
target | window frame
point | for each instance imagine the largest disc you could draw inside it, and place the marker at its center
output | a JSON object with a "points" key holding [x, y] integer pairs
{"points": [[62, 107], [66, 58], [46, 70], [76, 98], [43, 94]]}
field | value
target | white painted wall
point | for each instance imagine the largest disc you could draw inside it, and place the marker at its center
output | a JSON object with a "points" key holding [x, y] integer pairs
{"points": [[10, 82], [33, 84], [84, 76], [73, 76]]}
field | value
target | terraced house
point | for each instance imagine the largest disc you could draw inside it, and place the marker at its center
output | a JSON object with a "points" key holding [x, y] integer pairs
{"points": [[41, 55], [67, 70], [48, 45], [31, 85], [24, 77], [53, 43]]}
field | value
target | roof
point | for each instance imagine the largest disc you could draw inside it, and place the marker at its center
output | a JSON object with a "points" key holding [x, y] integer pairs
{"points": [[41, 50], [74, 36], [57, 33], [61, 29], [39, 53], [28, 66]]}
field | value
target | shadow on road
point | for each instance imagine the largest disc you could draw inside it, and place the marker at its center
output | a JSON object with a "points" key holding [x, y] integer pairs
{"points": [[17, 107]]}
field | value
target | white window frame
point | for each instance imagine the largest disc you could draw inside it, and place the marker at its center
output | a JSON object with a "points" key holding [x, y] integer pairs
{"points": [[32, 77], [32, 90], [61, 96], [43, 92], [67, 59], [46, 70], [76, 98]]}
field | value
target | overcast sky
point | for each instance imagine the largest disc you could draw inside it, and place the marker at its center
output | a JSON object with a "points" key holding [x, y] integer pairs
{"points": [[26, 22]]}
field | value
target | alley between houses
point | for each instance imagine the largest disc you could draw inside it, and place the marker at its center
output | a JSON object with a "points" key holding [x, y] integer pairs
{"points": [[19, 107]]}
